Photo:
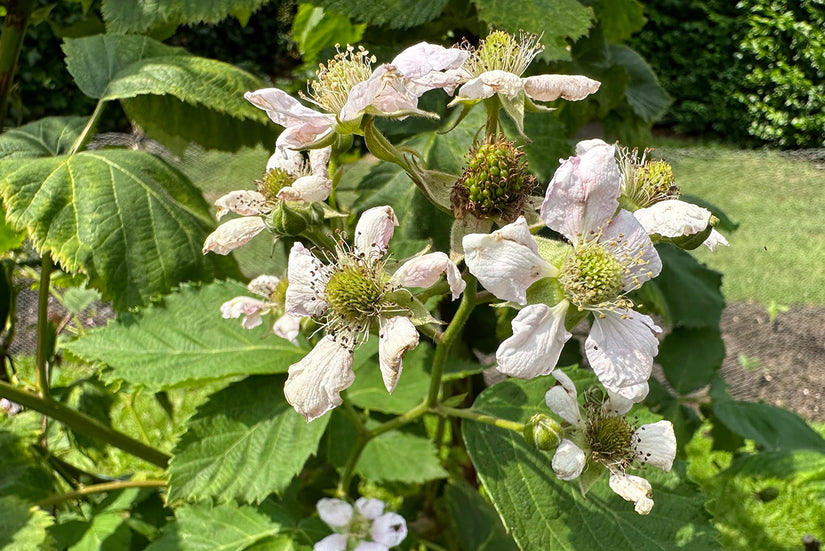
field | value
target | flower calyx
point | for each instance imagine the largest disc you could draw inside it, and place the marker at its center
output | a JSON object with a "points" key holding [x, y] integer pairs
{"points": [[542, 432]]}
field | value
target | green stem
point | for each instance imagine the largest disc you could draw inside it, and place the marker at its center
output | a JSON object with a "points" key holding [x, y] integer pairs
{"points": [[96, 488], [349, 468], [493, 106], [440, 288], [11, 42], [42, 359], [84, 424], [442, 348], [355, 418], [85, 134], [400, 421], [480, 417]]}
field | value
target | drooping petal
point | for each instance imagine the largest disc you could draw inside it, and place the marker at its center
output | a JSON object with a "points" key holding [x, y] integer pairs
{"points": [[307, 189], [302, 272], [620, 348], [397, 336], [583, 194], [285, 110], [568, 461], [538, 337], [506, 261], [633, 488], [264, 285], [315, 383], [617, 404], [363, 94], [656, 444], [673, 218], [287, 327], [389, 529], [374, 230], [425, 270], [370, 508], [714, 240], [304, 135], [490, 83], [245, 202], [319, 161], [626, 238], [288, 160], [336, 513], [424, 58], [248, 307], [553, 87], [333, 542], [562, 401], [233, 234]]}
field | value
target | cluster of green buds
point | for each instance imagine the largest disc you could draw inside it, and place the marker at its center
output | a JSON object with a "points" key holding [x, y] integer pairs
{"points": [[495, 183], [286, 218]]}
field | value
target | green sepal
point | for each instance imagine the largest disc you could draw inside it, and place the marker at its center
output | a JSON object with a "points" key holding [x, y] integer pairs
{"points": [[690, 242], [466, 107], [530, 105], [515, 109], [293, 218], [419, 314], [552, 251], [591, 474]]}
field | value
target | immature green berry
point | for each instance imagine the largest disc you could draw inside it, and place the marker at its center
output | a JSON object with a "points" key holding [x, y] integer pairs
{"points": [[592, 275], [645, 181], [610, 439]]}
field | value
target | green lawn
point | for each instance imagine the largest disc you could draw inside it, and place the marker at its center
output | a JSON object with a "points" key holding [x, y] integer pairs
{"points": [[778, 252]]}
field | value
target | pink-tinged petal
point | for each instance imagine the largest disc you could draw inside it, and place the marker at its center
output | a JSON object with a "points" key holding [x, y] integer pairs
{"points": [[333, 542], [336, 513], [568, 461], [490, 83], [620, 348], [307, 189], [656, 444], [583, 194], [561, 399], [673, 218], [553, 87], [244, 202], [319, 161], [633, 488], [586, 145], [285, 110], [264, 285], [249, 308], [315, 383], [288, 327], [506, 261], [363, 94], [626, 238], [370, 508], [448, 81], [398, 335], [389, 529], [715, 240], [302, 273], [304, 135], [288, 160], [421, 59], [374, 230], [425, 270], [617, 404], [538, 337], [233, 234]]}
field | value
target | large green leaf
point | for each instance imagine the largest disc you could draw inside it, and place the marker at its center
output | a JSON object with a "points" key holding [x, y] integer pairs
{"points": [[690, 289], [644, 93], [543, 512], [226, 527], [475, 521], [128, 220], [182, 340], [47, 137], [245, 443], [140, 15], [558, 20], [691, 357], [315, 28], [23, 473], [22, 527], [191, 98], [395, 14]]}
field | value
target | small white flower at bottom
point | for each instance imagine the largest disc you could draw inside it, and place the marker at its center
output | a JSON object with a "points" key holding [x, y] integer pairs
{"points": [[364, 527]]}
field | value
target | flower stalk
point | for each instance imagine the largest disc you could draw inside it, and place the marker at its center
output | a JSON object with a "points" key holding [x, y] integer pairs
{"points": [[41, 362], [99, 488], [480, 418]]}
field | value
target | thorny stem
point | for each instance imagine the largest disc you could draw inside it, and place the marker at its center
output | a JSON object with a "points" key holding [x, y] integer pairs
{"points": [[43, 326], [480, 417], [96, 488], [11, 42], [82, 423]]}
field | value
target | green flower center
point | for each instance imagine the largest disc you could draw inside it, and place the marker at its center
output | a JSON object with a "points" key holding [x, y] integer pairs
{"points": [[273, 181], [353, 292], [592, 275], [610, 439], [501, 51], [644, 181], [339, 75]]}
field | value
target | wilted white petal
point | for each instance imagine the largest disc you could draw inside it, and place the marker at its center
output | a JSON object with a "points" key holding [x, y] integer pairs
{"points": [[288, 160], [245, 202], [586, 145], [621, 351], [568, 461], [318, 161], [264, 285], [714, 240], [506, 261], [315, 383], [489, 83], [656, 444], [673, 218], [617, 404], [303, 135], [302, 273], [335, 513], [287, 327], [374, 230], [562, 401], [421, 59], [248, 307], [285, 110], [397, 336], [333, 542], [370, 508], [552, 87], [233, 234], [538, 338], [308, 189], [389, 529], [625, 237], [583, 193], [633, 488], [363, 94], [425, 270]]}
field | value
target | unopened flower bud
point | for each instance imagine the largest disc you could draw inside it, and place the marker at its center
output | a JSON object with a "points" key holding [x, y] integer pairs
{"points": [[290, 219], [542, 432]]}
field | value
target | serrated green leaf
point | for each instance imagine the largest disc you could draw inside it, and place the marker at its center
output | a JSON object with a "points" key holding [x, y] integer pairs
{"points": [[22, 473], [128, 220], [104, 532], [182, 340], [22, 527], [475, 521], [395, 14], [691, 357], [245, 443], [690, 289], [368, 390], [226, 527], [140, 15], [47, 137], [314, 29], [543, 512], [619, 19], [400, 456], [558, 20], [644, 93]]}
